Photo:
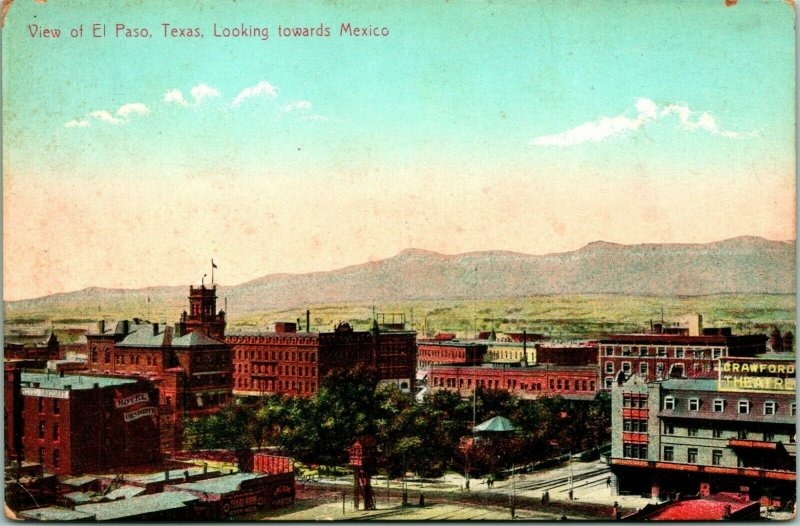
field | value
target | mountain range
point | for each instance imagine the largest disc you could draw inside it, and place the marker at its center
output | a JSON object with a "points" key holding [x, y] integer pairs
{"points": [[738, 265]]}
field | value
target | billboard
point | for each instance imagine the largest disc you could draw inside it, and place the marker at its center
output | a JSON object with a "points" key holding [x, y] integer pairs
{"points": [[756, 375]]}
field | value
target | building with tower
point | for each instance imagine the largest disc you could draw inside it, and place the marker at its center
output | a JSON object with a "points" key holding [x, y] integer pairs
{"points": [[189, 363]]}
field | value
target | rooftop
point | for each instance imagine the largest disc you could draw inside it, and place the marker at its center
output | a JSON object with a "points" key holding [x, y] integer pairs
{"points": [[55, 513], [691, 384], [219, 485], [195, 339], [75, 381], [121, 509], [141, 335], [701, 509], [174, 475]]}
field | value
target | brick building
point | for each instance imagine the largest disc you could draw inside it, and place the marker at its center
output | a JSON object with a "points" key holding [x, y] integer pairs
{"points": [[189, 363], [566, 354], [75, 424], [578, 383], [449, 352], [37, 351], [708, 435], [667, 352], [289, 362]]}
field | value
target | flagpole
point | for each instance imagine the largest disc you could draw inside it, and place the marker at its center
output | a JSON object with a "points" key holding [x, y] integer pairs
{"points": [[212, 271]]}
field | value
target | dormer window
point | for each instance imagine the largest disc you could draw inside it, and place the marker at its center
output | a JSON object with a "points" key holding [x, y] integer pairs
{"points": [[669, 403]]}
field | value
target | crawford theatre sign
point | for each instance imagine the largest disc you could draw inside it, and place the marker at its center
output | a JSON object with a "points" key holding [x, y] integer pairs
{"points": [[754, 375]]}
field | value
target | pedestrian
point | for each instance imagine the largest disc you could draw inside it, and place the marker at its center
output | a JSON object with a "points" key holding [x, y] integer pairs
{"points": [[570, 494], [467, 484], [608, 482]]}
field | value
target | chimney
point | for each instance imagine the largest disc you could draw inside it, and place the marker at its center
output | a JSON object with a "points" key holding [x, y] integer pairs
{"points": [[166, 475], [308, 320], [125, 326], [61, 373], [101, 326], [155, 329]]}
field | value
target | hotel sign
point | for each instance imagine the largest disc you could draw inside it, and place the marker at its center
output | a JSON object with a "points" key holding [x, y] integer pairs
{"points": [[119, 403], [139, 413], [753, 375]]}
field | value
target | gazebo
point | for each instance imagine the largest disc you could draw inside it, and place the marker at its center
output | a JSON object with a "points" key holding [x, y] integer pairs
{"points": [[498, 424]]}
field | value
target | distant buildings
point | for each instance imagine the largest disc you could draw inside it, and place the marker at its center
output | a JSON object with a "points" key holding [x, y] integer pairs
{"points": [[734, 433], [673, 352], [289, 362], [449, 352]]}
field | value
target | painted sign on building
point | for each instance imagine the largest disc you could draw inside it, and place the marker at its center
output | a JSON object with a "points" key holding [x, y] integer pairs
{"points": [[45, 393], [139, 413], [131, 400], [754, 375]]}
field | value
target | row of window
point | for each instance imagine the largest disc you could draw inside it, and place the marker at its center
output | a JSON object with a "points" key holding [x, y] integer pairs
{"points": [[259, 384], [634, 400], [556, 384], [634, 450], [303, 356], [743, 407], [691, 455], [56, 431], [634, 425], [697, 353], [56, 457], [56, 405], [741, 434], [271, 370]]}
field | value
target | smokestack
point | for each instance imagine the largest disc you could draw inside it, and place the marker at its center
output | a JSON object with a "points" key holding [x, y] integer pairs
{"points": [[125, 326], [308, 320], [101, 326]]}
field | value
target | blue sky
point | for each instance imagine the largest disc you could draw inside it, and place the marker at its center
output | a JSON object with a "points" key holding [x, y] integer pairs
{"points": [[528, 126]]}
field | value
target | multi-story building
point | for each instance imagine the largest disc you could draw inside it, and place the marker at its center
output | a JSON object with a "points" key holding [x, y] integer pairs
{"points": [[75, 424], [449, 352], [289, 362], [669, 352], [579, 383], [190, 363], [709, 435]]}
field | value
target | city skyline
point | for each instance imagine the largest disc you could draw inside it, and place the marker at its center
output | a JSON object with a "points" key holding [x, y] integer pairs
{"points": [[531, 129]]}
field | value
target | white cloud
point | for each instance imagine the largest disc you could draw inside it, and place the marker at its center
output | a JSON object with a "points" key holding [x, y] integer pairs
{"points": [[297, 105], [105, 116], [175, 96], [135, 107], [77, 124], [202, 92], [263, 88], [647, 111]]}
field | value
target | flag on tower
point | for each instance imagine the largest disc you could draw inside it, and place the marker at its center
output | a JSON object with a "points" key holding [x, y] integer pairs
{"points": [[213, 265]]}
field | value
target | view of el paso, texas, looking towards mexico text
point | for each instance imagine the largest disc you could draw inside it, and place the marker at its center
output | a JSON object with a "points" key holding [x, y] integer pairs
{"points": [[445, 260]]}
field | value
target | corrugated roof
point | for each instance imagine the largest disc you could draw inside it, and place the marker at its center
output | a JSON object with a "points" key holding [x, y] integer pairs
{"points": [[220, 485], [121, 509], [75, 381], [195, 339], [55, 513]]}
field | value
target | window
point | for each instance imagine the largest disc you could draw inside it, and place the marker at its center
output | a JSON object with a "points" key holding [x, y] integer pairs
{"points": [[609, 350], [716, 457], [643, 426], [609, 382], [41, 429], [769, 436], [669, 453], [94, 355], [694, 404], [41, 455], [626, 425], [669, 402], [679, 352], [662, 351], [41, 404], [769, 407], [719, 405], [744, 407], [741, 434], [56, 458], [626, 367], [626, 351], [669, 429], [793, 409], [56, 407], [716, 432], [660, 370], [717, 353], [610, 367], [691, 455], [691, 431], [56, 432], [643, 369]]}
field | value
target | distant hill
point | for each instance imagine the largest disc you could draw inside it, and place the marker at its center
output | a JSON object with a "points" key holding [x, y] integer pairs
{"points": [[738, 265]]}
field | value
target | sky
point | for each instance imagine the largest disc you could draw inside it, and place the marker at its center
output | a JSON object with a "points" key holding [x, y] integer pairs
{"points": [[534, 127]]}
